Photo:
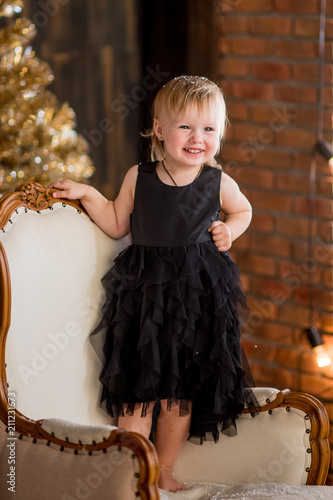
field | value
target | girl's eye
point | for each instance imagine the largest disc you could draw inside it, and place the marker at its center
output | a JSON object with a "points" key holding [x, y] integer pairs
{"points": [[184, 126], [209, 129]]}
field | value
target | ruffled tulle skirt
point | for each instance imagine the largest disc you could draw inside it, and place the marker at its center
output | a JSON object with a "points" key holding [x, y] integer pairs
{"points": [[171, 330]]}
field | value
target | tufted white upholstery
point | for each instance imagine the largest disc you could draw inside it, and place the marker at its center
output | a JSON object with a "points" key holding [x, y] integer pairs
{"points": [[56, 299], [267, 448]]}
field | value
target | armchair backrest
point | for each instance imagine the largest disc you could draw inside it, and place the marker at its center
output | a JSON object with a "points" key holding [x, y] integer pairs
{"points": [[52, 260]]}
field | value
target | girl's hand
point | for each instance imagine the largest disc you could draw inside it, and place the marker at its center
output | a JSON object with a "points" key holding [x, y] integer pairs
{"points": [[69, 189], [221, 235]]}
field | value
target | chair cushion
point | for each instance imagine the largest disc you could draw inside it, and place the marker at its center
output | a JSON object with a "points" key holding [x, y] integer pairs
{"points": [[270, 447]]}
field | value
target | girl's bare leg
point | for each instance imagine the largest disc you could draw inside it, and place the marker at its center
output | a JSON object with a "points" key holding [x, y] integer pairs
{"points": [[171, 433], [136, 423]]}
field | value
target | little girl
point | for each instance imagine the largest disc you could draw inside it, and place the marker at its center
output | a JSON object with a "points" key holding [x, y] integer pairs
{"points": [[171, 317]]}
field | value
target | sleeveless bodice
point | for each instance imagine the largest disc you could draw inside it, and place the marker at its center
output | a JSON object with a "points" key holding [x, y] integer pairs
{"points": [[168, 216]]}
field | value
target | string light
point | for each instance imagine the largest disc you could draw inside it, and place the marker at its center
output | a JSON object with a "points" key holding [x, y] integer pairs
{"points": [[322, 356]]}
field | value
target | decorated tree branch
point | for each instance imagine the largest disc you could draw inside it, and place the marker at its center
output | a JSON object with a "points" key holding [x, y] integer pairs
{"points": [[38, 140]]}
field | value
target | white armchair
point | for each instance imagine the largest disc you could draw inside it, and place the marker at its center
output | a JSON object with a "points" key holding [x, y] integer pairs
{"points": [[56, 443]]}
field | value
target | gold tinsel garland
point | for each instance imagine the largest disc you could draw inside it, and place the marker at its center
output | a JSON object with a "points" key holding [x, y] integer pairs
{"points": [[9, 9], [37, 136]]}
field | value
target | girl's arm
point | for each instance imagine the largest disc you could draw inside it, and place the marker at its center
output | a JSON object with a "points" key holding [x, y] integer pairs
{"points": [[236, 211], [113, 217]]}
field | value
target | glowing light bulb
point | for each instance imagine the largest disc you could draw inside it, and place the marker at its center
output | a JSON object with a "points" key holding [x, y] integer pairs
{"points": [[322, 356]]}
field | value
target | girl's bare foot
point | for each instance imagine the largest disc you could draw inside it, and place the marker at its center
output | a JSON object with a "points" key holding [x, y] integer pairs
{"points": [[168, 482]]}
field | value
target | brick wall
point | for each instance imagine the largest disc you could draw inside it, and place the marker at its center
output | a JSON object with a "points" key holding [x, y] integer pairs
{"points": [[269, 72]]}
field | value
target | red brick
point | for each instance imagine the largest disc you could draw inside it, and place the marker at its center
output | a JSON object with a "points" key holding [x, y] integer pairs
{"points": [[329, 409], [271, 200], [288, 358], [305, 72], [250, 46], [304, 7], [262, 222], [329, 29], [275, 332], [245, 280], [322, 207], [257, 177], [253, 6], [234, 24], [229, 135], [325, 231], [308, 72], [238, 111], [296, 138], [327, 95], [298, 50], [234, 171], [328, 55], [293, 183], [273, 376], [223, 45], [302, 160], [274, 157], [294, 314], [296, 273], [322, 254], [323, 299], [233, 66], [329, 7], [324, 186], [308, 27], [255, 350], [234, 153], [274, 289], [265, 25], [257, 264], [307, 117], [296, 94], [317, 385], [303, 294], [328, 278], [240, 244], [326, 322], [299, 250], [273, 245], [251, 90], [271, 70], [293, 226], [261, 113], [246, 132]]}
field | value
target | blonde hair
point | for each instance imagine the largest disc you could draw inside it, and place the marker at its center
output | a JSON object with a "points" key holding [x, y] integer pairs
{"points": [[175, 96]]}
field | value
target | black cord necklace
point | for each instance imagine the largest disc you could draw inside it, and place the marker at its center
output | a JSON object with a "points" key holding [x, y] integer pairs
{"points": [[173, 180]]}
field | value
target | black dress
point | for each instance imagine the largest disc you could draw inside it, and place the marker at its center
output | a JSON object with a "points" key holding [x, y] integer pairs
{"points": [[172, 315]]}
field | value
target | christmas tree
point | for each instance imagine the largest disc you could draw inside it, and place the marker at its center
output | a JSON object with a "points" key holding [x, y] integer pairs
{"points": [[37, 136]]}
